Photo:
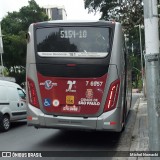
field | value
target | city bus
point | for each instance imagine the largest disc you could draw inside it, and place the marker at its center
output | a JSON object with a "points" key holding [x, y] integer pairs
{"points": [[78, 75]]}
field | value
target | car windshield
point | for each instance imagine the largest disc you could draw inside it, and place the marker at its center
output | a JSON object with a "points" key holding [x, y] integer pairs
{"points": [[21, 93]]}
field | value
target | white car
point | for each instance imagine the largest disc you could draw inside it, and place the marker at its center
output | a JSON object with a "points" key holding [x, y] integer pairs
{"points": [[12, 104]]}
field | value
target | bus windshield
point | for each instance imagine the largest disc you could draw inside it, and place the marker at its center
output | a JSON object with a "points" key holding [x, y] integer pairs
{"points": [[73, 41]]}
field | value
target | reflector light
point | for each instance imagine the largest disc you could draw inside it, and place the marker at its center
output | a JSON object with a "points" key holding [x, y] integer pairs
{"points": [[71, 65], [112, 123], [112, 97], [29, 118], [32, 94]]}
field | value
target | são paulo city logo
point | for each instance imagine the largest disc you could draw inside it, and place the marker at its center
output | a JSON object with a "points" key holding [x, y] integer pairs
{"points": [[48, 84]]}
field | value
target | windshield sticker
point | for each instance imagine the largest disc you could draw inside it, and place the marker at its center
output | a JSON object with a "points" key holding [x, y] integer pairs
{"points": [[70, 86], [71, 108], [89, 93], [69, 99], [84, 54], [47, 102], [48, 84], [86, 101], [56, 103]]}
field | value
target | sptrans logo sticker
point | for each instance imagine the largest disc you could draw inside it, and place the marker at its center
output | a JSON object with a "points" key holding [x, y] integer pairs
{"points": [[48, 84], [70, 86]]}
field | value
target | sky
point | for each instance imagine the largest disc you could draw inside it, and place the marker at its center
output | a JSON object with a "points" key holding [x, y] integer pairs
{"points": [[74, 8]]}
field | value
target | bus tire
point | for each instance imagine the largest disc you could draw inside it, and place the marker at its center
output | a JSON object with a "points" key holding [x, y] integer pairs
{"points": [[124, 114]]}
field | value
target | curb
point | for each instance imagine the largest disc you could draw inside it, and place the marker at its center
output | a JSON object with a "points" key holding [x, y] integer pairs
{"points": [[140, 139], [125, 141]]}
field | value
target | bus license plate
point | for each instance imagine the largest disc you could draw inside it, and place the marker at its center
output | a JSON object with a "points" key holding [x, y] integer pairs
{"points": [[69, 99]]}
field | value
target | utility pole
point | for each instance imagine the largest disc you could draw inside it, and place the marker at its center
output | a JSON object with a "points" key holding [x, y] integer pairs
{"points": [[152, 61], [142, 70], [1, 49]]}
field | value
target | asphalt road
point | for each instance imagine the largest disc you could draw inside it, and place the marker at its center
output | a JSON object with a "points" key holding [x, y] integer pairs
{"points": [[23, 138]]}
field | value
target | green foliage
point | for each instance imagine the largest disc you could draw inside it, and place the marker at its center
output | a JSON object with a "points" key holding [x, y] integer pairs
{"points": [[31, 14], [4, 71], [129, 13], [140, 84], [14, 50], [14, 29]]}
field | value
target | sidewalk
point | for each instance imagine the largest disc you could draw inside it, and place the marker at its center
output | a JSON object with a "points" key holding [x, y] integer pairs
{"points": [[136, 133], [140, 139]]}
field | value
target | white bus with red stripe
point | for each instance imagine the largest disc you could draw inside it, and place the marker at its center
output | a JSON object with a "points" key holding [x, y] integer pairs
{"points": [[78, 75]]}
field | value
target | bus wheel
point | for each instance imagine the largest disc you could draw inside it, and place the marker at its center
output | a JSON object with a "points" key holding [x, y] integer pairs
{"points": [[5, 123], [124, 117]]}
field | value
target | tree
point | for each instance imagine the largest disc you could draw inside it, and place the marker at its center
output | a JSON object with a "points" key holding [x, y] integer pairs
{"points": [[128, 12], [14, 29]]}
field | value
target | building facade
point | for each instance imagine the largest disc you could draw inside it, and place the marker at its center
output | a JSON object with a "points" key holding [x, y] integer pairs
{"points": [[56, 12]]}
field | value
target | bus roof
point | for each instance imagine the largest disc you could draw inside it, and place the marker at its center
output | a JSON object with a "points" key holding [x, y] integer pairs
{"points": [[77, 21]]}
